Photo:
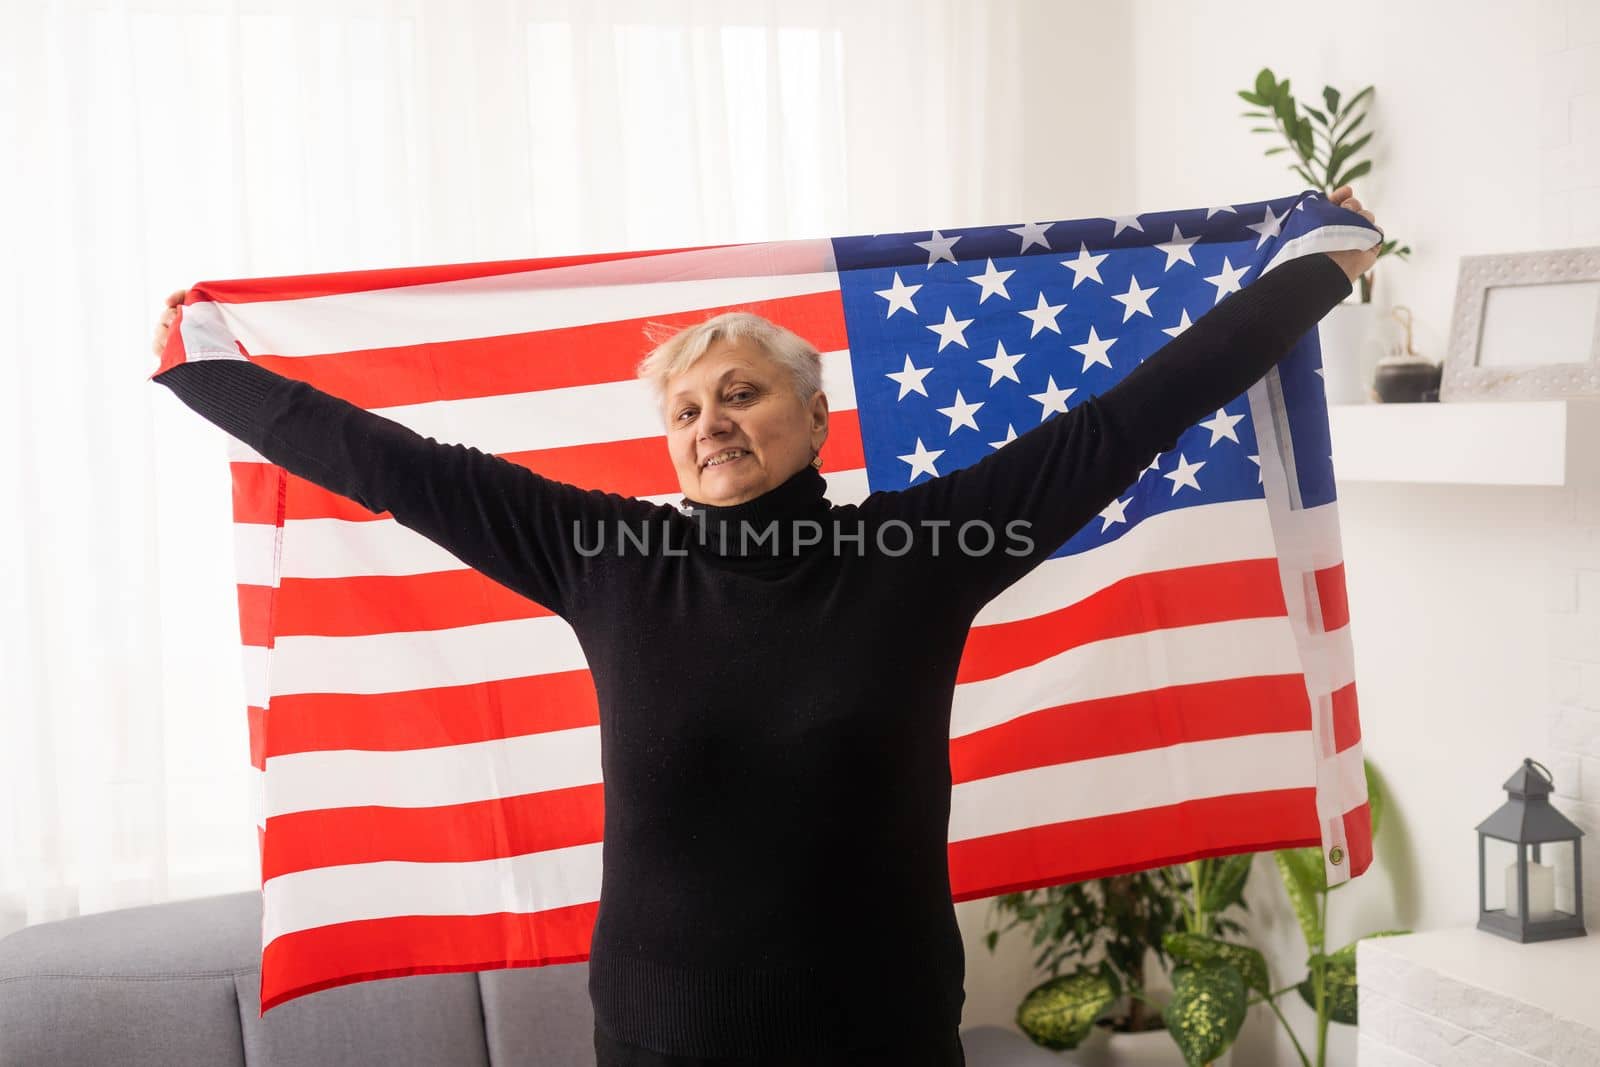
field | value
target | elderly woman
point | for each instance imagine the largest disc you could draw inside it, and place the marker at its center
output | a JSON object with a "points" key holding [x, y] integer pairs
{"points": [[774, 671]]}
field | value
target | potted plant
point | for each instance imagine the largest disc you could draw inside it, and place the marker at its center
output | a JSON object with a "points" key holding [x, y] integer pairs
{"points": [[1349, 333], [1180, 914], [1106, 1008], [1221, 975]]}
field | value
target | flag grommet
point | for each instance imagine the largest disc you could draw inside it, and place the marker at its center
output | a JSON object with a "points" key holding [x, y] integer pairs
{"points": [[1336, 855]]}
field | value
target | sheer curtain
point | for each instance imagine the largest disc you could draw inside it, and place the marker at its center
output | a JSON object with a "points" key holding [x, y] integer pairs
{"points": [[156, 143]]}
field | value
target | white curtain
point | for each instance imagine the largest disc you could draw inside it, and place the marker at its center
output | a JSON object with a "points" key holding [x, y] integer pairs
{"points": [[155, 143]]}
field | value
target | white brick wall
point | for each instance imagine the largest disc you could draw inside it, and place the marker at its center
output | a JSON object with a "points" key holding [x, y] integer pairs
{"points": [[1413, 1014], [1569, 95], [1569, 121], [1574, 716], [1445, 998]]}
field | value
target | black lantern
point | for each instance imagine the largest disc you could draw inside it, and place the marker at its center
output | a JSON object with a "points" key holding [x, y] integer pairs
{"points": [[1525, 819]]}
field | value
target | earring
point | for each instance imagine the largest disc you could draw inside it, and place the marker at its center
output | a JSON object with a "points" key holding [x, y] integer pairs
{"points": [[816, 460]]}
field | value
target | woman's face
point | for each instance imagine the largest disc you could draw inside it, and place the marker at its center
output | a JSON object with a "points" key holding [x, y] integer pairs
{"points": [[736, 401]]}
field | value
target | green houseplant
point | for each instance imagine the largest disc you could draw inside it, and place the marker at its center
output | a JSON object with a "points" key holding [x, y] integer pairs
{"points": [[1181, 913], [1125, 916], [1222, 974], [1323, 153], [1324, 143]]}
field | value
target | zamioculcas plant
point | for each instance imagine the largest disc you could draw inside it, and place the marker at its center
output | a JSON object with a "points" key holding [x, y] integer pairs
{"points": [[1324, 165]]}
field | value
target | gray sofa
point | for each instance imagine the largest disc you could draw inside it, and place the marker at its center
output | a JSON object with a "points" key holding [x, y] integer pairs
{"points": [[170, 985]]}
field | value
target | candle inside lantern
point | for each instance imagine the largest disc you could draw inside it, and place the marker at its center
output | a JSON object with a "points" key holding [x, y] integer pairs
{"points": [[1541, 891]]}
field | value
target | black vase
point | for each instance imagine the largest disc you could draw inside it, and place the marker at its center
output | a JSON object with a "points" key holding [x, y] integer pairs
{"points": [[1407, 382]]}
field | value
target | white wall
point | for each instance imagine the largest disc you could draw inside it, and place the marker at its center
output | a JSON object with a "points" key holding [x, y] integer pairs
{"points": [[1476, 610]]}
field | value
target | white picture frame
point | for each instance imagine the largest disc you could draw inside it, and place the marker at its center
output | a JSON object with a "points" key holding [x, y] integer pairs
{"points": [[1526, 326]]}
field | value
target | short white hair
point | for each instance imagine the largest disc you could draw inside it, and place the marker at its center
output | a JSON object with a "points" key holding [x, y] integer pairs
{"points": [[679, 351]]}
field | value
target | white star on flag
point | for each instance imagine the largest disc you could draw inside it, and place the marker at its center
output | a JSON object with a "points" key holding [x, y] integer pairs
{"points": [[1269, 227], [1221, 425], [960, 413], [1043, 316], [1083, 265], [1002, 364], [1184, 474], [1135, 299], [1178, 248], [1052, 399], [1116, 511], [1125, 222], [899, 296], [993, 282], [938, 247], [922, 461], [1094, 349], [910, 379], [951, 329], [1183, 324], [1032, 233], [1228, 280]]}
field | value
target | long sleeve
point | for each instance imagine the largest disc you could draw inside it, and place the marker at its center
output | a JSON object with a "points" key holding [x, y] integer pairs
{"points": [[498, 517], [1063, 472]]}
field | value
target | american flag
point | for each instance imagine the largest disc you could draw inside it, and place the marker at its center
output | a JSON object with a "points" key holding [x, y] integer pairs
{"points": [[1175, 682]]}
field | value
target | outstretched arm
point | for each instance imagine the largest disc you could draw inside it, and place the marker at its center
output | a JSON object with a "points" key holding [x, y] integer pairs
{"points": [[1063, 472], [498, 517]]}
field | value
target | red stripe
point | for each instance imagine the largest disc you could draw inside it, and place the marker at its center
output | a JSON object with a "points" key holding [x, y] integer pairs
{"points": [[1346, 720], [562, 358], [450, 833], [299, 286], [1358, 838], [343, 953], [639, 467], [353, 607], [255, 615], [256, 719], [1132, 841], [430, 718], [1187, 596], [257, 491], [1332, 596], [1133, 722]]}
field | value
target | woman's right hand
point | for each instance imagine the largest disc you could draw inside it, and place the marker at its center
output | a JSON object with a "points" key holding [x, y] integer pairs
{"points": [[164, 324]]}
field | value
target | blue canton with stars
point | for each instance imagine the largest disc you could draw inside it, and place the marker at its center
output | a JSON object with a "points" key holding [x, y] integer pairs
{"points": [[962, 339]]}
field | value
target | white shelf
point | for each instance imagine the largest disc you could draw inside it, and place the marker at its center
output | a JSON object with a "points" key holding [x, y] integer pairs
{"points": [[1463, 996], [1513, 442]]}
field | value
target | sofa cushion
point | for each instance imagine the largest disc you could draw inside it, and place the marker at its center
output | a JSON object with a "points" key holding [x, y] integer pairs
{"points": [[140, 986], [538, 1016], [416, 1021]]}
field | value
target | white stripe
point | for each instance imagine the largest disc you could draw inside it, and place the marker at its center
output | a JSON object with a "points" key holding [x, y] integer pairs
{"points": [[554, 418], [481, 770], [425, 659], [559, 418], [535, 881], [1341, 776], [256, 659], [433, 777], [1131, 781], [1180, 655], [1188, 537], [557, 878], [255, 547], [343, 548], [528, 301]]}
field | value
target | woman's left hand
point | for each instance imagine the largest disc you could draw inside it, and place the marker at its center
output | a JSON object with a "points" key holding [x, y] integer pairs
{"points": [[1355, 264]]}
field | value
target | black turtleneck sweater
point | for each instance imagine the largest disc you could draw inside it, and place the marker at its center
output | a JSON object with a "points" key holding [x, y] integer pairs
{"points": [[775, 716]]}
